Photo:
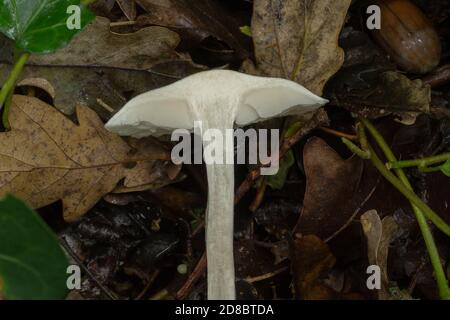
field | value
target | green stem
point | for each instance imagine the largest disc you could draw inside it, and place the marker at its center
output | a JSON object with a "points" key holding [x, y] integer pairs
{"points": [[424, 162], [419, 207], [430, 169], [8, 86], [409, 194], [365, 154], [8, 102]]}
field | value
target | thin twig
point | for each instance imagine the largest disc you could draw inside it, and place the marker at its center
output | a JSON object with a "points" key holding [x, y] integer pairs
{"points": [[196, 274], [122, 23], [259, 196], [266, 276], [148, 285], [337, 133]]}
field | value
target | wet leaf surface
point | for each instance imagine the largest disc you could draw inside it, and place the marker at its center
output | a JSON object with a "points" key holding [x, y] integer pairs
{"points": [[118, 248], [30, 22]]}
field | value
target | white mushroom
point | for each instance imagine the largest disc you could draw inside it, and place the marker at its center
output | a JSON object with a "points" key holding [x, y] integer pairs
{"points": [[218, 99]]}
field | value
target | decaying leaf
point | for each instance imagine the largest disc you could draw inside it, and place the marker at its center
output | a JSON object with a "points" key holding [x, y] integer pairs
{"points": [[379, 234], [298, 39], [393, 92], [311, 260], [195, 20], [91, 86], [330, 185], [105, 69], [97, 46], [405, 93], [46, 157]]}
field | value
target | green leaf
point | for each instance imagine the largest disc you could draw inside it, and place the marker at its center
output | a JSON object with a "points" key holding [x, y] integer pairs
{"points": [[247, 30], [445, 168], [277, 181], [40, 26], [32, 263]]}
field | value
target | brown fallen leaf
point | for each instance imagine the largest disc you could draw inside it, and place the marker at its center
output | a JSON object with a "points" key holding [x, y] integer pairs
{"points": [[330, 186], [392, 92], [379, 234], [298, 40], [108, 74], [195, 21], [97, 46], [46, 157], [103, 8], [112, 86], [311, 260]]}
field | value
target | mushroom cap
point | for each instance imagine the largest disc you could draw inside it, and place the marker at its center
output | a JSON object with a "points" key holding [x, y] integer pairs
{"points": [[247, 98]]}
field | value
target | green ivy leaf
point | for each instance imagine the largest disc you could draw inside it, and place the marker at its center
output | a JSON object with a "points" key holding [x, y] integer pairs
{"points": [[445, 168], [32, 263], [40, 26], [278, 180]]}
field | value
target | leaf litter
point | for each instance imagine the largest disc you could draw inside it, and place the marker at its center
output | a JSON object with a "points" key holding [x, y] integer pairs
{"points": [[308, 240]]}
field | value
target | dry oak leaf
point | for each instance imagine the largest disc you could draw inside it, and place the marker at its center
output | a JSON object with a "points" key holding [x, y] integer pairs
{"points": [[46, 157], [298, 40], [97, 46]]}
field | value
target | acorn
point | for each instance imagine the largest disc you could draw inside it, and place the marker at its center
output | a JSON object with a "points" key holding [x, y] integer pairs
{"points": [[408, 36]]}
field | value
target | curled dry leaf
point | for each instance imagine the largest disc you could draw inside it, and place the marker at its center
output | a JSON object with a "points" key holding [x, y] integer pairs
{"points": [[330, 186], [298, 40], [46, 157], [379, 234], [40, 83]]}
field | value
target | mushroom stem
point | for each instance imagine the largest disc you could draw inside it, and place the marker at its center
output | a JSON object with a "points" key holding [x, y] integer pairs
{"points": [[219, 232], [220, 208]]}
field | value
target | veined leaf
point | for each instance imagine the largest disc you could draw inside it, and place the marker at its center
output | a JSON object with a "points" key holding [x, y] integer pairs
{"points": [[32, 263], [46, 157], [40, 26]]}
